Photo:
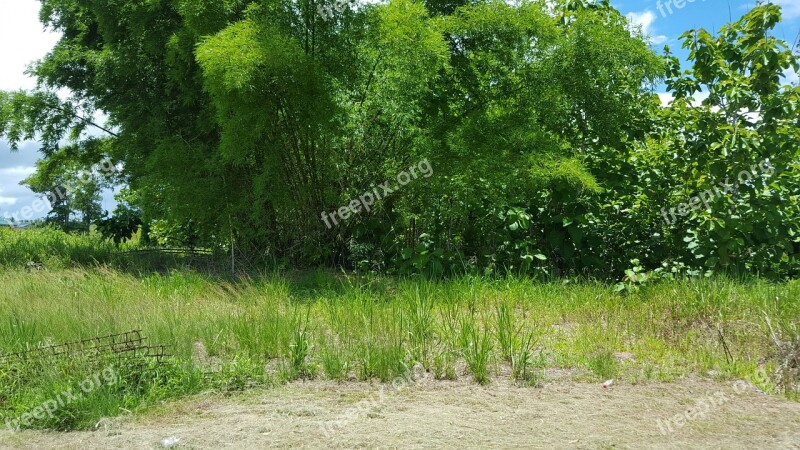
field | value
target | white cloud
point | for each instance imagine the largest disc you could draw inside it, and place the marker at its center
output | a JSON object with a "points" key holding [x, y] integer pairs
{"points": [[6, 200], [791, 8], [24, 41], [791, 77], [18, 171], [697, 99], [643, 21], [666, 98]]}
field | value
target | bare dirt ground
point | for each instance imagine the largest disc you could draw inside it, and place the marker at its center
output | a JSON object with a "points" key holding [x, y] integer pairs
{"points": [[428, 414]]}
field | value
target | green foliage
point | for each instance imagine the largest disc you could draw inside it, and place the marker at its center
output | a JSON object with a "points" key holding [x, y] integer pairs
{"points": [[506, 330], [444, 366], [712, 185], [334, 364], [77, 393], [50, 248], [299, 350], [382, 360], [516, 344], [745, 134], [237, 123], [524, 367], [242, 121], [476, 347], [602, 364], [120, 227]]}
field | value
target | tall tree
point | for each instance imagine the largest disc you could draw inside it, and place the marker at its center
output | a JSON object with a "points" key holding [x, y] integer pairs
{"points": [[245, 119]]}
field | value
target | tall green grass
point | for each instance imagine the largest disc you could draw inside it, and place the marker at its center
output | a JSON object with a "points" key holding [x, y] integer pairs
{"points": [[50, 248], [274, 328]]}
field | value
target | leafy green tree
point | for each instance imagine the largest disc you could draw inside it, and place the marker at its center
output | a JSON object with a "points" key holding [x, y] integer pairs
{"points": [[679, 198], [238, 122], [125, 221], [244, 120], [529, 96], [73, 185], [745, 135]]}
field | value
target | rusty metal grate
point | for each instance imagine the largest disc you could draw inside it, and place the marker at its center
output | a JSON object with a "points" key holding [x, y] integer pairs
{"points": [[122, 347]]}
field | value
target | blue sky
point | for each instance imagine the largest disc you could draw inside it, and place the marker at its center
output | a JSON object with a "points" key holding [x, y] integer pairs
{"points": [[665, 21], [22, 40]]}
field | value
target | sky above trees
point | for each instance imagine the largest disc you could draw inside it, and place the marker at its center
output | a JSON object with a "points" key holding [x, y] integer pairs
{"points": [[23, 39]]}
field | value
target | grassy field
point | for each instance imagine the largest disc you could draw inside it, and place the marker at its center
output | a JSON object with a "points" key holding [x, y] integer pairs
{"points": [[232, 334]]}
